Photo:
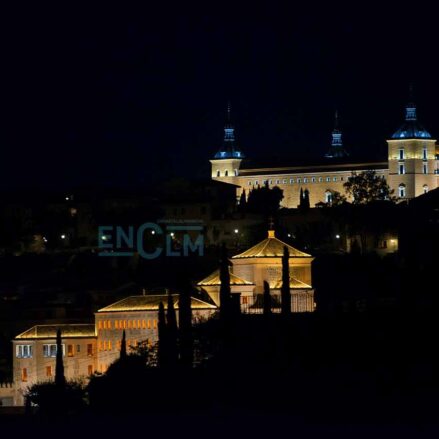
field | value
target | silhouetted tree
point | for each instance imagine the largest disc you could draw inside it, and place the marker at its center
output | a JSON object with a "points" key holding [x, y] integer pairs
{"points": [[285, 289], [264, 200], [172, 331], [123, 346], [267, 299], [162, 343], [367, 186], [225, 292], [186, 339], [304, 199], [242, 201], [60, 379]]}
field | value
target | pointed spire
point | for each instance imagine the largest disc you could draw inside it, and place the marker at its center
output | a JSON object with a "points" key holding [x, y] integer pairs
{"points": [[410, 108], [229, 149], [336, 149]]}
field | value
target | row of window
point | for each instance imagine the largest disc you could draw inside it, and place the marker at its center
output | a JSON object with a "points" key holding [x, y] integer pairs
{"points": [[401, 168], [402, 156], [49, 350], [107, 345], [49, 372], [226, 173], [402, 190], [128, 324], [297, 180]]}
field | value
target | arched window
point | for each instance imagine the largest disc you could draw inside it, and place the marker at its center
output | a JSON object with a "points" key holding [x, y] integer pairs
{"points": [[226, 173], [401, 154], [218, 173], [328, 197], [401, 190], [425, 188]]}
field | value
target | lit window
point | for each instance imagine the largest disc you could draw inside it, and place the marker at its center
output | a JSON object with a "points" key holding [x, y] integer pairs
{"points": [[305, 180], [105, 345], [23, 351], [70, 352], [425, 188], [401, 154], [328, 197], [116, 324], [401, 191], [124, 324], [105, 324], [120, 324], [48, 371], [49, 350], [90, 350], [424, 168], [90, 369], [109, 345], [154, 323], [401, 169], [130, 324], [24, 374], [100, 324], [138, 324], [149, 324], [109, 324], [143, 324]]}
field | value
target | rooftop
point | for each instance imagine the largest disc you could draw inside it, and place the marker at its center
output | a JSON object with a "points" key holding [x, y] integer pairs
{"points": [[411, 128], [151, 303], [67, 331], [271, 247], [214, 280]]}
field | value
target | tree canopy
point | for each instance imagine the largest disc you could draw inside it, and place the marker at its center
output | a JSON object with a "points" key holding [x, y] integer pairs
{"points": [[367, 186]]}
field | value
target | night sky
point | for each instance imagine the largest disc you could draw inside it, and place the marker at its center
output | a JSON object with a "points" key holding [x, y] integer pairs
{"points": [[126, 96]]}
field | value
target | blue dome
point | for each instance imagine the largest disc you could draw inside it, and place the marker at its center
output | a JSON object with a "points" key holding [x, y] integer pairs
{"points": [[411, 129], [230, 154]]}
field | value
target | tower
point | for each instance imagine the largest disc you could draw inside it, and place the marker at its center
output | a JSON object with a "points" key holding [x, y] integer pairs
{"points": [[336, 150], [227, 160], [411, 157]]}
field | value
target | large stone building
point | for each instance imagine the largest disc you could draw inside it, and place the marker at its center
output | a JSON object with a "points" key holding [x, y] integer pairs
{"points": [[411, 168]]}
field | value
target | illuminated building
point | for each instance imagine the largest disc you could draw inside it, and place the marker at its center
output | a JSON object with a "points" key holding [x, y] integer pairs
{"points": [[411, 169], [263, 262], [89, 348]]}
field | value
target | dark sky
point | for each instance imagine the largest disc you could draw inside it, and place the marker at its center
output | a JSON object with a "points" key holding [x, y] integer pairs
{"points": [[123, 96]]}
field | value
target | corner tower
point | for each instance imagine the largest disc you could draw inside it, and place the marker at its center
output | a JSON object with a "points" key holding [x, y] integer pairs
{"points": [[411, 158], [227, 160]]}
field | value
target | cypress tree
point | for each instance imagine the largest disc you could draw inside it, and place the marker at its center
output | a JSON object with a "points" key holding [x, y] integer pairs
{"points": [[242, 200], [285, 289], [162, 344], [185, 315], [60, 379], [123, 346], [306, 204], [300, 206], [267, 299], [172, 330], [225, 292]]}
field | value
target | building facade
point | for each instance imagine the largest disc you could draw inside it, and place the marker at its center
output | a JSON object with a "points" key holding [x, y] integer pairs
{"points": [[263, 262], [411, 169]]}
